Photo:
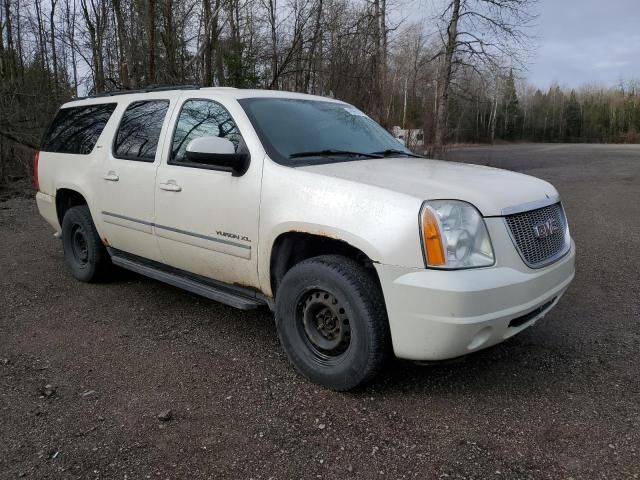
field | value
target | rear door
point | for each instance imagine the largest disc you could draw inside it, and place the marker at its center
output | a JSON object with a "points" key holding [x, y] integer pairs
{"points": [[128, 175], [207, 219]]}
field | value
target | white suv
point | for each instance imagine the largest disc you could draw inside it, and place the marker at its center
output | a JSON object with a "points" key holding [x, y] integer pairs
{"points": [[304, 204]]}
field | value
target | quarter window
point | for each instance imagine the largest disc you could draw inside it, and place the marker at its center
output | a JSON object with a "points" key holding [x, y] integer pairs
{"points": [[76, 129], [200, 118], [139, 131]]}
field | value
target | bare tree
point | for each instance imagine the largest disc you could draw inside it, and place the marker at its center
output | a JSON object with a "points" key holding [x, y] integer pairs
{"points": [[124, 46], [477, 33], [457, 86], [95, 17]]}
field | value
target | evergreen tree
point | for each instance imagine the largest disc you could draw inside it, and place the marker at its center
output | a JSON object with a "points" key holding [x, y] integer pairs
{"points": [[573, 118], [512, 113]]}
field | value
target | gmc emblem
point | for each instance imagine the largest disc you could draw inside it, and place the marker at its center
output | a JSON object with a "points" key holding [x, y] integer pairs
{"points": [[546, 228]]}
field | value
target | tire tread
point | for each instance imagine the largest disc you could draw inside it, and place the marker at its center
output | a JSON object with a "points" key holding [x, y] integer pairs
{"points": [[367, 293], [101, 261]]}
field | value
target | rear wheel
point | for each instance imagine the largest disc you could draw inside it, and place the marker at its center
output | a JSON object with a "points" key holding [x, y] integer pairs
{"points": [[332, 321], [84, 253]]}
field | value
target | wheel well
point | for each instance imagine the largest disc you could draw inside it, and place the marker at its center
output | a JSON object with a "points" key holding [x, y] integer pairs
{"points": [[65, 199], [294, 247]]}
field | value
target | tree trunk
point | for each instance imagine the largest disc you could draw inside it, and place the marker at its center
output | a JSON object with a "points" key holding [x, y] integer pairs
{"points": [[19, 43], [93, 21], [207, 67], [382, 67], [442, 111], [54, 56], [274, 43], [168, 37], [151, 30], [41, 37], [9, 60], [376, 64], [71, 33], [494, 115], [235, 46], [218, 60], [311, 61], [124, 57], [3, 58]]}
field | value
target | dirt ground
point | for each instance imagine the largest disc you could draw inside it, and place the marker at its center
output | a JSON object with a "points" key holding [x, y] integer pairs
{"points": [[560, 400]]}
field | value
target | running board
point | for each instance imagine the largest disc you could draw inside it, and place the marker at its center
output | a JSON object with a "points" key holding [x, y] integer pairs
{"points": [[244, 299]]}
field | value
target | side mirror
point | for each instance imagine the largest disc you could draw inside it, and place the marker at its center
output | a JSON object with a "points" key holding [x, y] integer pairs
{"points": [[219, 153]]}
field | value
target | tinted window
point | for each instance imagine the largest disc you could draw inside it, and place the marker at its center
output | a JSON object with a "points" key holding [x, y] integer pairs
{"points": [[139, 130], [200, 118], [291, 127], [77, 129]]}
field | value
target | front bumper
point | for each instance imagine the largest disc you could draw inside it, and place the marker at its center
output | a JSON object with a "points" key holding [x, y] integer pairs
{"points": [[436, 314]]}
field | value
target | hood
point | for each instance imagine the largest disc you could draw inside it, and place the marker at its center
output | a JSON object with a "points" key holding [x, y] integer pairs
{"points": [[489, 189]]}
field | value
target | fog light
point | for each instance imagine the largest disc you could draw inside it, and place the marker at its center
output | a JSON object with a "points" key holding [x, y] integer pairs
{"points": [[480, 338]]}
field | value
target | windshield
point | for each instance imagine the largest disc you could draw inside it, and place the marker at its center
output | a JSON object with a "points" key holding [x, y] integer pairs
{"points": [[302, 132]]}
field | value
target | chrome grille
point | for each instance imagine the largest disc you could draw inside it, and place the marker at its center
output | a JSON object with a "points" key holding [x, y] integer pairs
{"points": [[537, 252]]}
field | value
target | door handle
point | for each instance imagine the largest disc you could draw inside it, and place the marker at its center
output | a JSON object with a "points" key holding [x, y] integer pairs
{"points": [[170, 186], [111, 176]]}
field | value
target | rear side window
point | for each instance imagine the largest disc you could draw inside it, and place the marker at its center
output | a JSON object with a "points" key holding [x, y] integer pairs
{"points": [[77, 129], [139, 130]]}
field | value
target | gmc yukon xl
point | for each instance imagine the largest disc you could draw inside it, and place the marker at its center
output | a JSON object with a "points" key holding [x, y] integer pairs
{"points": [[305, 205]]}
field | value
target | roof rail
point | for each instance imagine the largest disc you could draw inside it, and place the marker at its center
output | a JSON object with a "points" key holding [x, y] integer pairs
{"points": [[150, 88]]}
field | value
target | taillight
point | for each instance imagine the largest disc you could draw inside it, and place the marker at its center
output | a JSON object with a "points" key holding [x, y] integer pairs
{"points": [[36, 183]]}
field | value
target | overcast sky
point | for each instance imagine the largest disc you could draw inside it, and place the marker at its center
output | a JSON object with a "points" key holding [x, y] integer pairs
{"points": [[579, 41], [586, 41]]}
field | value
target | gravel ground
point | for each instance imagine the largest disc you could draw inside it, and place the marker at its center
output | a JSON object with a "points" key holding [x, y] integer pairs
{"points": [[85, 370]]}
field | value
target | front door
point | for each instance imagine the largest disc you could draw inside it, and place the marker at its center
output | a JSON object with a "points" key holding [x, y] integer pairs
{"points": [[128, 175], [207, 219]]}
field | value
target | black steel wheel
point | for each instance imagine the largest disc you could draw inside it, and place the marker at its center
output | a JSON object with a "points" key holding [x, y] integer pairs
{"points": [[79, 244], [84, 253], [325, 323], [332, 321]]}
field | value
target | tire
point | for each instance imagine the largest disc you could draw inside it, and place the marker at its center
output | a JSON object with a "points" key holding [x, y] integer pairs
{"points": [[84, 253], [332, 322]]}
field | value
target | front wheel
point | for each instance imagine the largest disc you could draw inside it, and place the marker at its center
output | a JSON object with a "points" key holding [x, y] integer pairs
{"points": [[332, 321], [84, 253]]}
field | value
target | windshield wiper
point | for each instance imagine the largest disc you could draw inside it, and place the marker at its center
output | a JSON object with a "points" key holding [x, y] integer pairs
{"points": [[391, 152], [331, 152]]}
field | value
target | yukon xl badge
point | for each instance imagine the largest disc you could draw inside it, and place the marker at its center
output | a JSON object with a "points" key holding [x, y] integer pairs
{"points": [[233, 235], [546, 228]]}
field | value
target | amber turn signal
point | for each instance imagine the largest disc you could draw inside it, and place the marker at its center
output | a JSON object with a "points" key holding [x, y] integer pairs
{"points": [[432, 239]]}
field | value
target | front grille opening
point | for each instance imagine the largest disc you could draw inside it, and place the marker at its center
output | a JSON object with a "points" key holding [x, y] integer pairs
{"points": [[516, 322], [538, 252]]}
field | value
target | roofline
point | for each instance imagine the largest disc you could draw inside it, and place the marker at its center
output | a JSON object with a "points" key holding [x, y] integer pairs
{"points": [[153, 88], [232, 92]]}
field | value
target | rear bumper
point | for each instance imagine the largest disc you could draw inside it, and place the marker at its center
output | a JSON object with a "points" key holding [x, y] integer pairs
{"points": [[436, 315], [47, 208]]}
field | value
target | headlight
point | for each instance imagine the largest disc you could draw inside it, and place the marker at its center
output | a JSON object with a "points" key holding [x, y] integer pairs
{"points": [[454, 235]]}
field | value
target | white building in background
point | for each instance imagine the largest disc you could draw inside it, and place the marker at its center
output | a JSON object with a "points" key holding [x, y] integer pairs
{"points": [[412, 137]]}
